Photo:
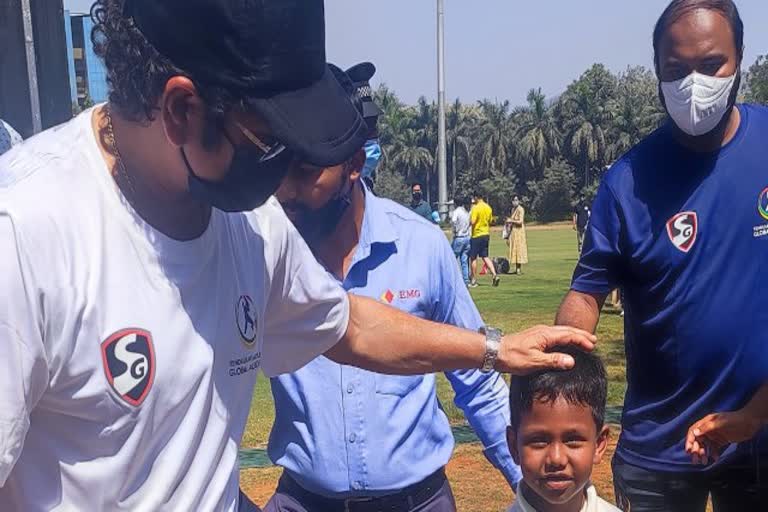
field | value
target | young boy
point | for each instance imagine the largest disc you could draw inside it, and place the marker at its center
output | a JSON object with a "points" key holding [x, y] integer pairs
{"points": [[557, 435]]}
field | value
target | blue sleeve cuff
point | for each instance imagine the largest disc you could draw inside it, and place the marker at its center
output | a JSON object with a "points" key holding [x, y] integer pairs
{"points": [[498, 455], [588, 286]]}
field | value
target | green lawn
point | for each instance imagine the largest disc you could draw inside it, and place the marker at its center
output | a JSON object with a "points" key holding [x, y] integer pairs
{"points": [[518, 302]]}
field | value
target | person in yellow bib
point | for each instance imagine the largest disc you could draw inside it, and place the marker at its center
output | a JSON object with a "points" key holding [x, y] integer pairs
{"points": [[480, 218]]}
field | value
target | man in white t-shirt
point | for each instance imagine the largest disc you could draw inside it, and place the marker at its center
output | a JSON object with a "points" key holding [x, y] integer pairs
{"points": [[142, 291], [462, 229]]}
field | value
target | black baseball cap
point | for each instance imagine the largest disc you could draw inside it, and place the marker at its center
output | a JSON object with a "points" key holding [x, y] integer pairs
{"points": [[360, 75], [271, 52], [359, 92]]}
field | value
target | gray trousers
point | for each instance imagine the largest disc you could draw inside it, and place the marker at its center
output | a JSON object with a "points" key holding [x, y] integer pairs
{"points": [[442, 501]]}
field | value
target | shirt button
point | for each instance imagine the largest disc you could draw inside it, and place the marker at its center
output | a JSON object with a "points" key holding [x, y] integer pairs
{"points": [[352, 437], [350, 389]]}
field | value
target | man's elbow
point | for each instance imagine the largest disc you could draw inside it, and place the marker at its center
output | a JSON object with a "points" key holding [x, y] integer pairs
{"points": [[580, 309], [345, 350], [591, 301]]}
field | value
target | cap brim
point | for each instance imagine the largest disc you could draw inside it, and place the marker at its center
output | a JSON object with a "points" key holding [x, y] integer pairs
{"points": [[319, 123], [362, 72]]}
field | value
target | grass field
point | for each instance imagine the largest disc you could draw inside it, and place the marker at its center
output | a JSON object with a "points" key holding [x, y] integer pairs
{"points": [[519, 302]]}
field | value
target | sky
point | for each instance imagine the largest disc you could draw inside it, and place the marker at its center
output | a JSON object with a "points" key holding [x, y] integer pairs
{"points": [[499, 49]]}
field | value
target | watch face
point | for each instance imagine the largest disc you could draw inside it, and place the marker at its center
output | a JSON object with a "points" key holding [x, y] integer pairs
{"points": [[493, 333], [492, 343]]}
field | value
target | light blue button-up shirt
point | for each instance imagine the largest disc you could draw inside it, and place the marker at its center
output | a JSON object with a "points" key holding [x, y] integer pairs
{"points": [[341, 431]]}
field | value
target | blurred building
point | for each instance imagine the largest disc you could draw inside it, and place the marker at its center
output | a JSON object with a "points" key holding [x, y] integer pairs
{"points": [[41, 95], [87, 74]]}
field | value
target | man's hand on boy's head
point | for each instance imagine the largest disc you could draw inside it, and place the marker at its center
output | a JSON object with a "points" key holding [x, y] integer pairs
{"points": [[708, 437], [535, 349]]}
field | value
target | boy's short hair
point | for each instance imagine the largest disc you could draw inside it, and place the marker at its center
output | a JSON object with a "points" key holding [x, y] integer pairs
{"points": [[585, 384]]}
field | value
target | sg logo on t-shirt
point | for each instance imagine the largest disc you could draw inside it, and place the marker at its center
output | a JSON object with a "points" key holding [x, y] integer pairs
{"points": [[129, 364], [682, 230]]}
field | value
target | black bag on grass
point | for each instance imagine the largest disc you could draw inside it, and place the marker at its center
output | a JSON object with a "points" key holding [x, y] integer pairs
{"points": [[502, 265]]}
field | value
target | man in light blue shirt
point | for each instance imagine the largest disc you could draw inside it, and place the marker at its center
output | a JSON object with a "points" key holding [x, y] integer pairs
{"points": [[351, 439]]}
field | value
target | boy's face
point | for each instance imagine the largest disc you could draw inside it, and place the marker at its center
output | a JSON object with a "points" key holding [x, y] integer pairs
{"points": [[556, 446]]}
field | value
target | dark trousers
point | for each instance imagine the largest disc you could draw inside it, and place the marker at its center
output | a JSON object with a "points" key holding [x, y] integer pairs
{"points": [[289, 497], [737, 487]]}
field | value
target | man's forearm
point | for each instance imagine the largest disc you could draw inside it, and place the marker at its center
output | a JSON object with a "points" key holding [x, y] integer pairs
{"points": [[708, 437], [580, 310], [386, 340]]}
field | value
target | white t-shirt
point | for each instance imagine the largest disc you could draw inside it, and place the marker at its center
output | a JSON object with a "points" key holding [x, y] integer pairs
{"points": [[129, 358], [593, 503], [461, 223]]}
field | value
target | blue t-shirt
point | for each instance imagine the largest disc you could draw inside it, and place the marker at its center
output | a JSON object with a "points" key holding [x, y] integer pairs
{"points": [[685, 235]]}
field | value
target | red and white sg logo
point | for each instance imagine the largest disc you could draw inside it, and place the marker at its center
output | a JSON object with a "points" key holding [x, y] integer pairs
{"points": [[682, 230]]}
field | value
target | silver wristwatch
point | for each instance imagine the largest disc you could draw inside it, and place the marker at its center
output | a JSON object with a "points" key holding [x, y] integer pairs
{"points": [[492, 343]]}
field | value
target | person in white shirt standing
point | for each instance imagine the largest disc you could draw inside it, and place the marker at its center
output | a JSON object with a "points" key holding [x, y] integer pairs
{"points": [[462, 229], [141, 290]]}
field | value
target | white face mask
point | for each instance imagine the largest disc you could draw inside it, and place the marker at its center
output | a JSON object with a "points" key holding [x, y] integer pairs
{"points": [[698, 102]]}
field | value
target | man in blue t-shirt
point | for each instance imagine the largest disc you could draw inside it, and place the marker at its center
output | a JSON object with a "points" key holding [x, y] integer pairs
{"points": [[680, 223]]}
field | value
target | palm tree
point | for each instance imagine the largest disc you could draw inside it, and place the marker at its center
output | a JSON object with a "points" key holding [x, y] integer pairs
{"points": [[539, 135], [756, 81], [635, 111], [495, 137], [588, 145], [408, 156], [386, 98], [502, 151], [425, 121], [394, 121], [458, 132], [585, 106]]}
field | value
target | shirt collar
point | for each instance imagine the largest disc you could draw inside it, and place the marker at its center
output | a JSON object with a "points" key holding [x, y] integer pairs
{"points": [[377, 230], [590, 504]]}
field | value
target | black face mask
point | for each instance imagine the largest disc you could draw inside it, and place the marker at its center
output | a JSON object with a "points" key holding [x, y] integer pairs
{"points": [[252, 178], [416, 197], [316, 224]]}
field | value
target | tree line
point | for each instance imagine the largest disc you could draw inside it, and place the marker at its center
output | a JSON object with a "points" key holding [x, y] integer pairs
{"points": [[548, 152]]}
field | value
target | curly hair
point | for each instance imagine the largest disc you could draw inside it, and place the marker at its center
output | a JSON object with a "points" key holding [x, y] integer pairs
{"points": [[137, 72]]}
